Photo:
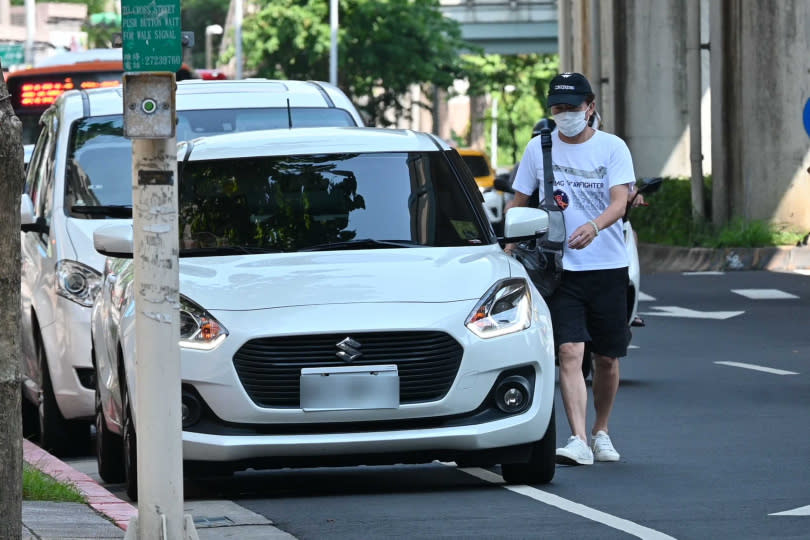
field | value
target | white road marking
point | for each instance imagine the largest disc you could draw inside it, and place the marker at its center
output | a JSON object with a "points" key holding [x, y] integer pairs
{"points": [[764, 294], [757, 368], [803, 511], [645, 297], [675, 311], [632, 346], [710, 273], [550, 499], [802, 271]]}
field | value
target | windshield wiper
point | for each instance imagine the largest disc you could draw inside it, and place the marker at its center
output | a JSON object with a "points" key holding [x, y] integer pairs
{"points": [[226, 250], [362, 243], [107, 210]]}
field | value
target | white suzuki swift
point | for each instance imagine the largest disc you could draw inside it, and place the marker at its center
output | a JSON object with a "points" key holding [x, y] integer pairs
{"points": [[343, 300]]}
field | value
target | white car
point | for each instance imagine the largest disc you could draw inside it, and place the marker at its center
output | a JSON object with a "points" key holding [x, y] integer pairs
{"points": [[343, 301], [79, 178]]}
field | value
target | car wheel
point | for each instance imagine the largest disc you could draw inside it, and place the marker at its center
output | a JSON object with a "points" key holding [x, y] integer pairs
{"points": [[541, 465], [57, 435], [130, 453], [30, 419], [109, 447]]}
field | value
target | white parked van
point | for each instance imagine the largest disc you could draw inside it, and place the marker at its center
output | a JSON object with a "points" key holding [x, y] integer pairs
{"points": [[68, 194]]}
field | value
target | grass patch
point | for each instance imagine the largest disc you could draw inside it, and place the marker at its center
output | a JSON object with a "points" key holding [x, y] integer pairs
{"points": [[38, 486], [668, 220]]}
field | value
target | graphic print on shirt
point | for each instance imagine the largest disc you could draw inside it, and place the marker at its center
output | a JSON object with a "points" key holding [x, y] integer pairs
{"points": [[584, 189]]}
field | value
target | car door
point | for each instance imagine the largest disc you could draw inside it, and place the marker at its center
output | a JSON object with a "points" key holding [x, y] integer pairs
{"points": [[37, 257]]}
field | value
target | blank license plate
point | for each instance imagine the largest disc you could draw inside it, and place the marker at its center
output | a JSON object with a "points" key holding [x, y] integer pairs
{"points": [[349, 388]]}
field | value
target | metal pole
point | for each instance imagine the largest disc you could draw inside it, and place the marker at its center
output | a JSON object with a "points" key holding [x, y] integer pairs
{"points": [[207, 50], [238, 38], [595, 17], [30, 30], [694, 93], [564, 34], [493, 134], [333, 49]]}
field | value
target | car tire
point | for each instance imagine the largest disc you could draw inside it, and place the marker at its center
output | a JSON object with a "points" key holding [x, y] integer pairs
{"points": [[130, 449], [542, 463], [109, 447], [57, 435], [30, 419]]}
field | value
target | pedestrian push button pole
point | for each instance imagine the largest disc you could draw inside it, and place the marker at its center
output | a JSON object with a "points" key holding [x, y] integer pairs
{"points": [[152, 54]]}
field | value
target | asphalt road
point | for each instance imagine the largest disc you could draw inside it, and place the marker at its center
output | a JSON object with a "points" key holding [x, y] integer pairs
{"points": [[709, 449]]}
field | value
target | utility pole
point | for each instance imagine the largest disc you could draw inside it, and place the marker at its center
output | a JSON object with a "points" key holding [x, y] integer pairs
{"points": [[333, 49], [238, 38], [11, 178], [695, 94], [152, 54]]}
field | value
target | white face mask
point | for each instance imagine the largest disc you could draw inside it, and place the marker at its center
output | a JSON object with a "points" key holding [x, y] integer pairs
{"points": [[571, 123]]}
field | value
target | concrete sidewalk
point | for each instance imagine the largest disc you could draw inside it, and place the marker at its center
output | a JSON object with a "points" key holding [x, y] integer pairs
{"points": [[656, 258], [107, 516]]}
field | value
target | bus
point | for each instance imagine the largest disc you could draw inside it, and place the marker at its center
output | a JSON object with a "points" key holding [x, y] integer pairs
{"points": [[33, 90]]}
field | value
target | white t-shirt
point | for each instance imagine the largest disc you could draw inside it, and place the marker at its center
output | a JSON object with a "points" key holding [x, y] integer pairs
{"points": [[583, 176]]}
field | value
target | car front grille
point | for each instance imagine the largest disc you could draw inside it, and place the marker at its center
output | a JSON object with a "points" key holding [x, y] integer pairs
{"points": [[270, 368]]}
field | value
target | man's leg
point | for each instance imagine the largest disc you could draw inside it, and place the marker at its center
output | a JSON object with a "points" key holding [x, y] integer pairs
{"points": [[605, 384], [572, 387]]}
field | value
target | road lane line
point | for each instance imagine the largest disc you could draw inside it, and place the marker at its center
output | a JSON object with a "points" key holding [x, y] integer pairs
{"points": [[550, 499], [642, 297], [758, 368], [803, 511], [764, 294], [707, 273]]}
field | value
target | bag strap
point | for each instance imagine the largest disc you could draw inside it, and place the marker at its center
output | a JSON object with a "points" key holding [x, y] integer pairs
{"points": [[556, 224]]}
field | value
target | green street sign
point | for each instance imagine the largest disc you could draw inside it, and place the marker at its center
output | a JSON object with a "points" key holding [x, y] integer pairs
{"points": [[151, 35], [12, 54]]}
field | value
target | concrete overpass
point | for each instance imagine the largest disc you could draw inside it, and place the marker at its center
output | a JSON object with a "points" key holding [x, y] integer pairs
{"points": [[506, 26]]}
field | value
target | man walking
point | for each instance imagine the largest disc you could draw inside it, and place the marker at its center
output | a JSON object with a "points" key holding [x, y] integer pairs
{"points": [[593, 174]]}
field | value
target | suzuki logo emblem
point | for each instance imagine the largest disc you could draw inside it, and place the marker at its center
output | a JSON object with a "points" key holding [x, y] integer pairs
{"points": [[349, 350]]}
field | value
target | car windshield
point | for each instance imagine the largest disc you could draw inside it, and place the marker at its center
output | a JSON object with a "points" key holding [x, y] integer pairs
{"points": [[477, 164], [325, 202], [99, 161]]}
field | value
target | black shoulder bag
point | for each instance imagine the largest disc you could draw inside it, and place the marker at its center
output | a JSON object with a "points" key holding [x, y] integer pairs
{"points": [[542, 257]]}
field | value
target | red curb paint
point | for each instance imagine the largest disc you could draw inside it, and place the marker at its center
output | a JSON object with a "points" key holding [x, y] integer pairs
{"points": [[98, 498]]}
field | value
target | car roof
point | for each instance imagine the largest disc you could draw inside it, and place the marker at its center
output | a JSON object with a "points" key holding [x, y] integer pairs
{"points": [[198, 94], [308, 141]]}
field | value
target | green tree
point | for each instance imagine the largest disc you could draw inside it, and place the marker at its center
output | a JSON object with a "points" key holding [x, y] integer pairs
{"points": [[520, 83], [384, 47], [195, 16]]}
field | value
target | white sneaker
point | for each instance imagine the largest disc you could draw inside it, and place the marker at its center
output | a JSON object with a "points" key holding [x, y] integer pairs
{"points": [[602, 447], [575, 452]]}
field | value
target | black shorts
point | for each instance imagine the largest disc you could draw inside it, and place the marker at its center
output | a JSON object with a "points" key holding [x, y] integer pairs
{"points": [[591, 306]]}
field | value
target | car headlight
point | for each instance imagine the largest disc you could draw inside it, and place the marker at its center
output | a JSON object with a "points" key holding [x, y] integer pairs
{"points": [[77, 282], [504, 309], [198, 328]]}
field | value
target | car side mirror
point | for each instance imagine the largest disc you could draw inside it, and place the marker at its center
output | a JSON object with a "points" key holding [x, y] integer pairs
{"points": [[29, 222], [114, 241], [523, 223]]}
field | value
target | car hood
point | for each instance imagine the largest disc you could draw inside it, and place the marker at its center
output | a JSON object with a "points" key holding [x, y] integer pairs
{"points": [[338, 277]]}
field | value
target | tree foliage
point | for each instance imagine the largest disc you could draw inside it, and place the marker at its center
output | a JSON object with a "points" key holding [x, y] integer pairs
{"points": [[195, 16], [520, 84], [384, 47]]}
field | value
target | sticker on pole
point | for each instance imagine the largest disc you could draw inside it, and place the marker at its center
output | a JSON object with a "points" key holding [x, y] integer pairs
{"points": [[151, 35]]}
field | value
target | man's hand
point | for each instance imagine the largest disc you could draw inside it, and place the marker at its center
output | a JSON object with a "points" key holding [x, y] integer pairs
{"points": [[582, 236]]}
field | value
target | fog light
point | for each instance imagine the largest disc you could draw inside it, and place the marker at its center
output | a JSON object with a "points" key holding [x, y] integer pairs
{"points": [[190, 409], [512, 395]]}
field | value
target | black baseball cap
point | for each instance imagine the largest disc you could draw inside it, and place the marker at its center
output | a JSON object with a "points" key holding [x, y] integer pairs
{"points": [[568, 88]]}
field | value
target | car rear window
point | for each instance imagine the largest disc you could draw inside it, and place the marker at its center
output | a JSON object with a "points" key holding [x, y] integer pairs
{"points": [[477, 164]]}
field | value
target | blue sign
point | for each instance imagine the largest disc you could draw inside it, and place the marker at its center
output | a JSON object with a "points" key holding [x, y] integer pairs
{"points": [[807, 117]]}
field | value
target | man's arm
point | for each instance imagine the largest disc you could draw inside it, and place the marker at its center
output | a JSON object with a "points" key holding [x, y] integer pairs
{"points": [[585, 233]]}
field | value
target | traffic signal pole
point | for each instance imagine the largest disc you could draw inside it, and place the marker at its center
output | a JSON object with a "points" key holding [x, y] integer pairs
{"points": [[152, 54]]}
